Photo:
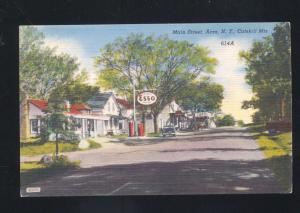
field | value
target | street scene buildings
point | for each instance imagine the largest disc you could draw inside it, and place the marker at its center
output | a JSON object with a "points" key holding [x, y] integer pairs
{"points": [[205, 113]]}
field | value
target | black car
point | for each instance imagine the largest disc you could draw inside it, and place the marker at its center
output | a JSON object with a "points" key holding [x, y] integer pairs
{"points": [[168, 131]]}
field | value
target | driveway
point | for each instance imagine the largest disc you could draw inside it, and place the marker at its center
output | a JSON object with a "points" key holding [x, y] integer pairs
{"points": [[225, 160]]}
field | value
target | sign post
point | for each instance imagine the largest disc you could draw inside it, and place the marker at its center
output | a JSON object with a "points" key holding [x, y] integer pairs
{"points": [[144, 98], [134, 118]]}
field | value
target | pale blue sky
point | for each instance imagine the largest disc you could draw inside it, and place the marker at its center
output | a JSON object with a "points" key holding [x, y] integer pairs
{"points": [[85, 42], [93, 37]]}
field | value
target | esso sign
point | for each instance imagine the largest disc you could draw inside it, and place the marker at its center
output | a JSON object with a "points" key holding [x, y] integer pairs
{"points": [[146, 98]]}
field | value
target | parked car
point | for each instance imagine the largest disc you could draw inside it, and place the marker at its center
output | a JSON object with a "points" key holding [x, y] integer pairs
{"points": [[168, 131]]}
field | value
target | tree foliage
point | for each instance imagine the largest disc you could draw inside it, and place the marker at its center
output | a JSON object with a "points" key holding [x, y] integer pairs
{"points": [[226, 120], [41, 69], [201, 96], [56, 122], [148, 62], [77, 90], [269, 74]]}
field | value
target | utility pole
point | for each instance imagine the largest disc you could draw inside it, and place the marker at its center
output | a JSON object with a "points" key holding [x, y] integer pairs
{"points": [[134, 117]]}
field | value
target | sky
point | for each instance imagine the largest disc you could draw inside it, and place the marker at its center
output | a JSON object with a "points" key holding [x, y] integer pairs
{"points": [[85, 42]]}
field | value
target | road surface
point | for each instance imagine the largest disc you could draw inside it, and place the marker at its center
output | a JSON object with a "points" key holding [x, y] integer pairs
{"points": [[225, 160]]}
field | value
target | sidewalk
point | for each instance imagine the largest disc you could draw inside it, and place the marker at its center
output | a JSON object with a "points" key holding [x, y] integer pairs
{"points": [[109, 144]]}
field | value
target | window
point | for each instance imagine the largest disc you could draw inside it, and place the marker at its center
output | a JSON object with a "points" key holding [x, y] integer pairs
{"points": [[113, 107], [34, 126], [106, 123]]}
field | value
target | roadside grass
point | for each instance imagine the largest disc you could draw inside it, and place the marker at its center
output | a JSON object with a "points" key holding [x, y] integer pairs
{"points": [[33, 171], [153, 134], [46, 148], [36, 148], [277, 145], [30, 166], [63, 162], [93, 144], [30, 140], [120, 136], [278, 152]]}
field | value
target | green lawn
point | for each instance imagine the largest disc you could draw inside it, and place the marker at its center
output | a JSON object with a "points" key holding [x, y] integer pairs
{"points": [[120, 136], [154, 134], [278, 152], [31, 172], [36, 148], [277, 145], [29, 166]]}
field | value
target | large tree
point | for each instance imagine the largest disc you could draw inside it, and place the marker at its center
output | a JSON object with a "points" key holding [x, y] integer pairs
{"points": [[268, 72], [149, 62], [41, 70], [203, 95], [77, 90]]}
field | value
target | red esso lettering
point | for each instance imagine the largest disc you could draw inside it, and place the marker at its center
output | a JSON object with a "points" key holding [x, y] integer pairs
{"points": [[146, 98]]}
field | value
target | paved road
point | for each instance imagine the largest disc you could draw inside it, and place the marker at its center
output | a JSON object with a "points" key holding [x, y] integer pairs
{"points": [[221, 161]]}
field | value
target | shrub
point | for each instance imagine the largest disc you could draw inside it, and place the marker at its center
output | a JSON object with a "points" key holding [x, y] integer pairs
{"points": [[226, 120], [44, 134], [62, 161], [240, 122]]}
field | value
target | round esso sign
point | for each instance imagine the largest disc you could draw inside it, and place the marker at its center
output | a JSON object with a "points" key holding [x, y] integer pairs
{"points": [[146, 98]]}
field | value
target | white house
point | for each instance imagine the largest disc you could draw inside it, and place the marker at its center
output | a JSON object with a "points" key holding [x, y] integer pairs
{"points": [[171, 115], [100, 116], [79, 113], [105, 104]]}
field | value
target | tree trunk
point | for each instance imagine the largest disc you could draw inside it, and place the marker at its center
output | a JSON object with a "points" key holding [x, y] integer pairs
{"points": [[155, 123], [56, 146], [24, 120], [282, 108], [144, 121]]}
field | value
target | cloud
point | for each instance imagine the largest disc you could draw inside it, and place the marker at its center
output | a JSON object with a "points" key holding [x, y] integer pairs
{"points": [[231, 75], [75, 49]]}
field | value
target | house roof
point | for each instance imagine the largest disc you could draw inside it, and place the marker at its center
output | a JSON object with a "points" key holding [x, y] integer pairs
{"points": [[41, 104], [74, 108], [124, 103], [99, 100]]}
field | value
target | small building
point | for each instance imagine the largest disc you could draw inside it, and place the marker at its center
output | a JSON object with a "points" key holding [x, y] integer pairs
{"points": [[171, 115], [101, 115], [126, 110], [105, 104]]}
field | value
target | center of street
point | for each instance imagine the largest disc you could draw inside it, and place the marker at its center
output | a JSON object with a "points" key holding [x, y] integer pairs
{"points": [[224, 160]]}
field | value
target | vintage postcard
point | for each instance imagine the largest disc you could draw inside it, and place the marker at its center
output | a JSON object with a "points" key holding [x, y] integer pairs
{"points": [[155, 109]]}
